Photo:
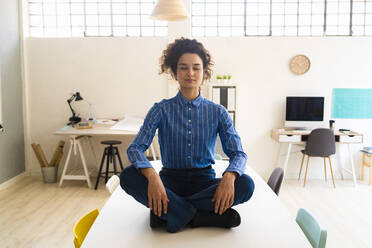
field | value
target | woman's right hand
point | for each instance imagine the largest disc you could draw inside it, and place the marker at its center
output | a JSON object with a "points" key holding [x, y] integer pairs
{"points": [[157, 197]]}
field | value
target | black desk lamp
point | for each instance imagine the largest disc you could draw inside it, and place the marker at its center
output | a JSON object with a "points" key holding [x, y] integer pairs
{"points": [[74, 119]]}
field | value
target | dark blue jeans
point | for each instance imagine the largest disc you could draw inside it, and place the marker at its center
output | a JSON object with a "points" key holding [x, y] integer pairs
{"points": [[187, 191]]}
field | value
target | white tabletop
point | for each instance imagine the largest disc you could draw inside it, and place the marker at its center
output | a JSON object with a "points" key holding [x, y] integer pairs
{"points": [[265, 223], [98, 129]]}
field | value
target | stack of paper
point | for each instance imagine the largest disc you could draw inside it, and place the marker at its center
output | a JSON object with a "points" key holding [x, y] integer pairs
{"points": [[367, 149], [129, 123]]}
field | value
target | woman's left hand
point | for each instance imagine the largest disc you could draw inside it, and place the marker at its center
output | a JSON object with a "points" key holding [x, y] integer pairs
{"points": [[224, 196]]}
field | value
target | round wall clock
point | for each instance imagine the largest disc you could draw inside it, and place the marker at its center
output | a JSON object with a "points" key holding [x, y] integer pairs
{"points": [[299, 64]]}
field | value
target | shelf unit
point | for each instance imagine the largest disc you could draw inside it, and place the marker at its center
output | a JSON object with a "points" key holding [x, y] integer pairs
{"points": [[224, 94]]}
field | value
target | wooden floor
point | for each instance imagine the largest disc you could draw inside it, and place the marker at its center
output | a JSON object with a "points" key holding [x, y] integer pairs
{"points": [[33, 214], [345, 211]]}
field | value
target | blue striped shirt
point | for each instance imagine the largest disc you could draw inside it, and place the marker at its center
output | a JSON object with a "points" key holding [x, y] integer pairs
{"points": [[187, 133]]}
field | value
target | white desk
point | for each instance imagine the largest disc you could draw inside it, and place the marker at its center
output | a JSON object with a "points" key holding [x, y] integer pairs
{"points": [[266, 223], [300, 137], [75, 135]]}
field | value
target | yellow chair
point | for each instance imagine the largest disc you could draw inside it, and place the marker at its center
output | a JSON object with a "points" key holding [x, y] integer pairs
{"points": [[82, 227]]}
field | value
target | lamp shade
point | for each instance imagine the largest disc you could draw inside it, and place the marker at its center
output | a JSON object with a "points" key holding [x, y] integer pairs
{"points": [[169, 10], [78, 97]]}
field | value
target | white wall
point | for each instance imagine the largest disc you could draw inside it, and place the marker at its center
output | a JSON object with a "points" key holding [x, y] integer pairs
{"points": [[119, 75], [12, 160]]}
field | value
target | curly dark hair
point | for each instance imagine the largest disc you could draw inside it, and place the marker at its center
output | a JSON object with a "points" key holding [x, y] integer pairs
{"points": [[169, 59]]}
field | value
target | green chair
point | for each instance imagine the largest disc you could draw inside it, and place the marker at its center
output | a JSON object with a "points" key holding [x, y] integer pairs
{"points": [[313, 230]]}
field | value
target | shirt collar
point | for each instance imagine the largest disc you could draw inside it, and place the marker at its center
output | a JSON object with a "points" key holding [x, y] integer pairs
{"points": [[196, 102]]}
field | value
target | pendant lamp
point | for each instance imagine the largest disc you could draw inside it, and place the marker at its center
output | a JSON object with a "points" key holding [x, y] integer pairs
{"points": [[169, 10]]}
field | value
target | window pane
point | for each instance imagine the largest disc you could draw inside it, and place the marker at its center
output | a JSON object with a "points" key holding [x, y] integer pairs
{"points": [[63, 9], [64, 18], [252, 9], [146, 8], [251, 31], [278, 20], [77, 20], [92, 20], [104, 31], [119, 31], [148, 31], [118, 8], [264, 20], [290, 31], [264, 9], [133, 31], [305, 8], [224, 9], [290, 20], [105, 20], [92, 31], [77, 8], [305, 20], [36, 32], [211, 21], [91, 8], [133, 20], [224, 21], [198, 9], [49, 9], [224, 31], [146, 21], [237, 21], [161, 31], [358, 7], [36, 21], [104, 8], [211, 31], [197, 32], [252, 20], [291, 8], [318, 8], [35, 8], [304, 31], [237, 31], [198, 21], [263, 30], [368, 30], [211, 9], [119, 20], [237, 9]]}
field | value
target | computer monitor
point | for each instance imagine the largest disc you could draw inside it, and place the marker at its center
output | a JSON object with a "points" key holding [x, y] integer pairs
{"points": [[304, 112]]}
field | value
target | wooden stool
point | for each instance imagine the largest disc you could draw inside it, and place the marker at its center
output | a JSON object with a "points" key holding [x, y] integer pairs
{"points": [[367, 161]]}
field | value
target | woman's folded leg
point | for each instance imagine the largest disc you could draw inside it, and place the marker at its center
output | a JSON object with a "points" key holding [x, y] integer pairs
{"points": [[180, 211]]}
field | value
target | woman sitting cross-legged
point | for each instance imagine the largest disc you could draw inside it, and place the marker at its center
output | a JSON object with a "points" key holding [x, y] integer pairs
{"points": [[186, 191]]}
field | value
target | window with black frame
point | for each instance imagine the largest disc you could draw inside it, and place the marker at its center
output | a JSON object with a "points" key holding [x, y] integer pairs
{"points": [[281, 17], [79, 18]]}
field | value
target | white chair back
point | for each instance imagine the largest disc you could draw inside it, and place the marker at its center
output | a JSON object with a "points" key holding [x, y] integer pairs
{"points": [[112, 183]]}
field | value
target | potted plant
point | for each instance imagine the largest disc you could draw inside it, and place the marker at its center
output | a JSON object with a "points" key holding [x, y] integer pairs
{"points": [[228, 78]]}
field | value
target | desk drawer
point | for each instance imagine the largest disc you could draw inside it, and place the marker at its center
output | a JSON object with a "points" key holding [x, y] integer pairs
{"points": [[289, 138], [351, 139]]}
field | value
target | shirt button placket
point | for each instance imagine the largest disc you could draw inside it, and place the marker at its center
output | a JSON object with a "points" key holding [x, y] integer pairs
{"points": [[189, 131]]}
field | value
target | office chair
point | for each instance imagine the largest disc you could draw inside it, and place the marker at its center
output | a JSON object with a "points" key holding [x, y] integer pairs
{"points": [[313, 230], [82, 227], [276, 179], [321, 143]]}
